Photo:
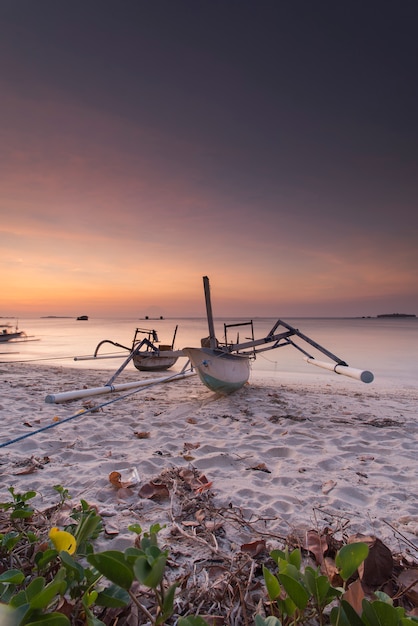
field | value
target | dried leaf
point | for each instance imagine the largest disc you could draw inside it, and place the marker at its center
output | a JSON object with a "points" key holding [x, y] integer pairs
{"points": [[328, 486], [28, 424], [142, 434], [355, 595], [154, 490], [28, 470], [114, 479], [191, 446], [317, 544], [261, 467], [188, 476], [203, 487], [408, 579], [188, 457], [211, 525], [329, 569], [191, 420], [378, 566], [254, 548]]}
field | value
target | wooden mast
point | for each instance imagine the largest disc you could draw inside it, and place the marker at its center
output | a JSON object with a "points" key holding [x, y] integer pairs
{"points": [[212, 338]]}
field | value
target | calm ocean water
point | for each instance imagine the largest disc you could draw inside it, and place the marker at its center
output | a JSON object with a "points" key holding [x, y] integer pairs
{"points": [[388, 347]]}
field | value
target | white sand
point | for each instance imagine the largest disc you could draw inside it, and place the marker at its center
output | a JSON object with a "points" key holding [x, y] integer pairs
{"points": [[287, 457]]}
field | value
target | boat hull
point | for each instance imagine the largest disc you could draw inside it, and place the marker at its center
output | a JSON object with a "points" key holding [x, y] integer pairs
{"points": [[153, 362], [5, 336], [220, 371]]}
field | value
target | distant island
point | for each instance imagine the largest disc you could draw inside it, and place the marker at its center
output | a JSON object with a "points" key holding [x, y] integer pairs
{"points": [[397, 315], [55, 317]]}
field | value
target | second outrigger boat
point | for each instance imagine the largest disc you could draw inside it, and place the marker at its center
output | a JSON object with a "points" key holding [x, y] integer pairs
{"points": [[224, 367], [147, 353]]}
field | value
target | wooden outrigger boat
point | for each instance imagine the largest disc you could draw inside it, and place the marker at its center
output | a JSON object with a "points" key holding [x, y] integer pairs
{"points": [[224, 367], [147, 354]]}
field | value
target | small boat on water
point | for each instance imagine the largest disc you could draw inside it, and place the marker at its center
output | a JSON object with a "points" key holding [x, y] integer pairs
{"points": [[82, 318], [9, 335], [224, 367]]}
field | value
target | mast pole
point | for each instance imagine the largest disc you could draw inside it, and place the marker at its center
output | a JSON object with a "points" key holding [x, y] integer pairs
{"points": [[209, 314]]}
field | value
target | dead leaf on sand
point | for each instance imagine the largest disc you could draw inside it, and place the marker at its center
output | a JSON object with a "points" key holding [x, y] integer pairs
{"points": [[154, 490], [328, 486], [254, 548], [261, 467]]}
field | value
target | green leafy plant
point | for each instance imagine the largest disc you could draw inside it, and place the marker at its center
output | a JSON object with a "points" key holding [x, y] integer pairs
{"points": [[297, 597]]}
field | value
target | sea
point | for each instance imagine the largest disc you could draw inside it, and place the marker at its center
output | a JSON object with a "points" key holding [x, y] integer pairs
{"points": [[388, 347]]}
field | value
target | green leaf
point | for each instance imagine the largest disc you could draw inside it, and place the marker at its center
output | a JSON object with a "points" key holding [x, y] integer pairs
{"points": [[350, 557], [112, 564], [167, 608], [379, 614], [277, 555], [192, 621], [113, 597], [42, 559], [43, 599], [150, 574], [52, 619], [14, 576], [345, 615], [21, 514], [295, 590], [319, 587], [272, 584], [295, 558], [72, 567], [135, 528], [35, 587]]}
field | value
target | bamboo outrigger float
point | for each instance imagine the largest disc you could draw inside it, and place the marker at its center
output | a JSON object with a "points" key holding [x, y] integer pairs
{"points": [[224, 367]]}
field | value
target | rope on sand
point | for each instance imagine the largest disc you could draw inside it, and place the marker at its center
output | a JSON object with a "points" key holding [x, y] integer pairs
{"points": [[83, 412]]}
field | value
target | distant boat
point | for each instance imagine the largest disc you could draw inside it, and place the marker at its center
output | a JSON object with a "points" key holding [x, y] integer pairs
{"points": [[8, 335], [397, 315], [83, 318]]}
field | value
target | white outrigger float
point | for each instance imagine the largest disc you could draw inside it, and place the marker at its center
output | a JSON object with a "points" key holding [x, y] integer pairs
{"points": [[224, 367]]}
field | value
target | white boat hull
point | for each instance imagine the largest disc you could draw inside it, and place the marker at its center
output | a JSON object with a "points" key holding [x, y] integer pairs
{"points": [[151, 363], [5, 336], [220, 371]]}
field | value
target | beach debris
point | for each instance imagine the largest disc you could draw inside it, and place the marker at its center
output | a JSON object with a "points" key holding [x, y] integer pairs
{"points": [[378, 566], [328, 486], [142, 434], [153, 490], [408, 582], [260, 467], [127, 477], [191, 446], [254, 547], [317, 543]]}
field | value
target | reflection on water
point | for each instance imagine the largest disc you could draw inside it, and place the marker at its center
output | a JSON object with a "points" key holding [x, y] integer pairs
{"points": [[387, 347]]}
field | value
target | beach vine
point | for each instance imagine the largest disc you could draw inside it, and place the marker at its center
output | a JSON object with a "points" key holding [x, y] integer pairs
{"points": [[56, 577]]}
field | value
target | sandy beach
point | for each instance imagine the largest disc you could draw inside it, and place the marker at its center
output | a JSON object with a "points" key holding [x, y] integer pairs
{"points": [[285, 458]]}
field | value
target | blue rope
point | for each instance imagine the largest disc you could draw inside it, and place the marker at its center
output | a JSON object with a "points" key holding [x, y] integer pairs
{"points": [[94, 408]]}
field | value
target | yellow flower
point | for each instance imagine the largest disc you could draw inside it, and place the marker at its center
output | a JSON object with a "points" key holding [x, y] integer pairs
{"points": [[62, 540]]}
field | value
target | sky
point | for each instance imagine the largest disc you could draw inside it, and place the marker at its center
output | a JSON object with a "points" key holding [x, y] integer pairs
{"points": [[270, 145]]}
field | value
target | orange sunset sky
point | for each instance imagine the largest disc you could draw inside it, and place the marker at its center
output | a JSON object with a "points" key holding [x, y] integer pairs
{"points": [[272, 146]]}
